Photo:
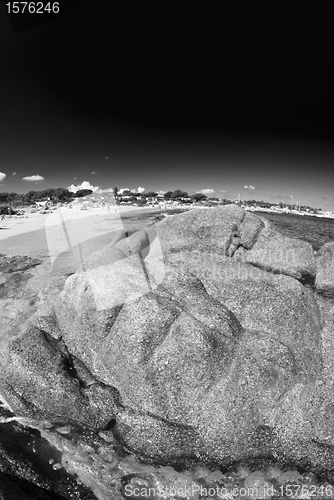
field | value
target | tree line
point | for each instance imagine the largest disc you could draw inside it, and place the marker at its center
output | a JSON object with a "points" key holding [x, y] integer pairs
{"points": [[178, 194], [62, 195], [53, 194]]}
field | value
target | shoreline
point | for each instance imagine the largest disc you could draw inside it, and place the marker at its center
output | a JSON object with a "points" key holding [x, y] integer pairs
{"points": [[280, 212], [37, 232], [34, 221], [17, 225], [34, 234]]}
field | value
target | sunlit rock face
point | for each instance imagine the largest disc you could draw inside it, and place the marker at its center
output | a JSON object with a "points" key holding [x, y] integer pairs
{"points": [[325, 270], [199, 338]]}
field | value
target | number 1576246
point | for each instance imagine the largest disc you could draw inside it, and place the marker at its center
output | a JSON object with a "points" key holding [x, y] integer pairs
{"points": [[32, 7]]}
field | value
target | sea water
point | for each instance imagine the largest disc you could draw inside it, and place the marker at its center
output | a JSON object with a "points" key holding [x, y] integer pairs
{"points": [[315, 230]]}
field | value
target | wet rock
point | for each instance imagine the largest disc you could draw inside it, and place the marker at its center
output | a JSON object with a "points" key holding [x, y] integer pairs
{"points": [[11, 284], [12, 275], [10, 491], [10, 264], [13, 489], [27, 471]]}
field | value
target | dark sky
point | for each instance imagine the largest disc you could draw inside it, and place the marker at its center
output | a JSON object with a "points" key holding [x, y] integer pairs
{"points": [[197, 99]]}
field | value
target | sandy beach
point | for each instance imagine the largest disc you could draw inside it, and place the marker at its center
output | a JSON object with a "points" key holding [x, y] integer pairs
{"points": [[39, 235]]}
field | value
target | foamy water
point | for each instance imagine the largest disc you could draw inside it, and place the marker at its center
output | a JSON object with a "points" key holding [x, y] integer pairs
{"points": [[97, 464]]}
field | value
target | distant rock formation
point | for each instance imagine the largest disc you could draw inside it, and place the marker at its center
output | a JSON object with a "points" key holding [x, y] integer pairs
{"points": [[204, 337]]}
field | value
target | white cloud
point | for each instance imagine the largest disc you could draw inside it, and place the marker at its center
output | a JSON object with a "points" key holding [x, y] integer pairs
{"points": [[223, 191], [2, 176], [83, 185], [93, 172], [137, 190], [206, 191], [14, 173], [249, 187], [33, 178], [106, 157], [121, 191], [161, 192]]}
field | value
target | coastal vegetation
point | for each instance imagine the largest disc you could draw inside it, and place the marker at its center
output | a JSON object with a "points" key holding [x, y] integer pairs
{"points": [[62, 195], [53, 194]]}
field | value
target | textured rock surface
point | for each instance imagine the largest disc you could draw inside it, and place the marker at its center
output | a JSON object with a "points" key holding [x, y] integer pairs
{"points": [[277, 253], [197, 338], [325, 270], [276, 304], [38, 381], [147, 338], [217, 231]]}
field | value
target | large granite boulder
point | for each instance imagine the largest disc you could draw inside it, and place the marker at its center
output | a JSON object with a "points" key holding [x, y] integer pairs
{"points": [[151, 330], [202, 334], [325, 270], [220, 231], [231, 231], [180, 356]]}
